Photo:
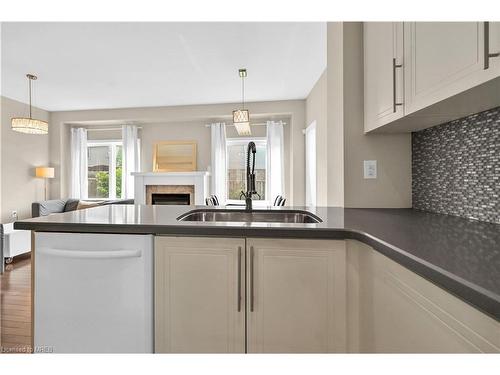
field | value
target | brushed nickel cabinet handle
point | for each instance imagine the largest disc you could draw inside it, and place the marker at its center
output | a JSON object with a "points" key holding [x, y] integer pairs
{"points": [[487, 54], [394, 67], [239, 278], [251, 278]]}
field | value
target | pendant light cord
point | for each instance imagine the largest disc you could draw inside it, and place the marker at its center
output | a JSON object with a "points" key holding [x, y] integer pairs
{"points": [[29, 80], [243, 92]]}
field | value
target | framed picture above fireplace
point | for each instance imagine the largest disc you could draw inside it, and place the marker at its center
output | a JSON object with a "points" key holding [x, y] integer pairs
{"points": [[174, 156]]}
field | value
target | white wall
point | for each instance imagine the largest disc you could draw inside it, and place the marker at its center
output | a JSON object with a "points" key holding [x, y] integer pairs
{"points": [[183, 122], [20, 154]]}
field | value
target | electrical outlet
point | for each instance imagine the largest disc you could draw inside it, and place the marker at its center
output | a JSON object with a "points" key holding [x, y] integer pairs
{"points": [[369, 169], [13, 215]]}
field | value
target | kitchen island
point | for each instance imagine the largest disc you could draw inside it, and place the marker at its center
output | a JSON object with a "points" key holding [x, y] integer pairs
{"points": [[380, 269]]}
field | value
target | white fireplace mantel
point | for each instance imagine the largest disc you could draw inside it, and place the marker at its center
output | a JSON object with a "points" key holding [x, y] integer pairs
{"points": [[198, 179]]}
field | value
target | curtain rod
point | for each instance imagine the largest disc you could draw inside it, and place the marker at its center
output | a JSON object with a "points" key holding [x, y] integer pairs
{"points": [[106, 129], [140, 127], [252, 124]]}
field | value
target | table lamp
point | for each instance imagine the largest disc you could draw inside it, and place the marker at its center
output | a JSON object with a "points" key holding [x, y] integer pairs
{"points": [[46, 173]]}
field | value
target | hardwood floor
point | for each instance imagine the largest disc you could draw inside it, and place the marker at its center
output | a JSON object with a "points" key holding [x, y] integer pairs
{"points": [[15, 307]]}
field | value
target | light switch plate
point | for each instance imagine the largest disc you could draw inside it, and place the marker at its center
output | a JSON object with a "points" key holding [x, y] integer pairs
{"points": [[369, 169]]}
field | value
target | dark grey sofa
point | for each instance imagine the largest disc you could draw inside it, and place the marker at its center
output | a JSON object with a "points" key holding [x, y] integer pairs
{"points": [[44, 208]]}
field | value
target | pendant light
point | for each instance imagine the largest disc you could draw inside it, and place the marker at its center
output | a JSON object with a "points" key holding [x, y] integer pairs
{"points": [[29, 125], [241, 117]]}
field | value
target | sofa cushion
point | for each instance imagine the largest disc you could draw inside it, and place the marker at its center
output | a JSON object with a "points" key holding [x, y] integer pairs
{"points": [[45, 208], [118, 201], [71, 205], [88, 204]]}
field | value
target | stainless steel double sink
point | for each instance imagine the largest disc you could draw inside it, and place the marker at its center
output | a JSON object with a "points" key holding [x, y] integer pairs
{"points": [[257, 215]]}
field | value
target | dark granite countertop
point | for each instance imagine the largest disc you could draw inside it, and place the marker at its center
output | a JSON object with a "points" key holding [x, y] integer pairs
{"points": [[459, 255]]}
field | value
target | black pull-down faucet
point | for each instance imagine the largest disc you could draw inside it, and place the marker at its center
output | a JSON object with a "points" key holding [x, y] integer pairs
{"points": [[251, 151]]}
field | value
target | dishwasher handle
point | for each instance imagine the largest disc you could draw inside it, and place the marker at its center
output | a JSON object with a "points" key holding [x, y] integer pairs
{"points": [[96, 254]]}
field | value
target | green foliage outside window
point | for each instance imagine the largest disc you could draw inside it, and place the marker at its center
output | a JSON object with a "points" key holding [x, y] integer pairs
{"points": [[102, 183], [119, 182], [102, 178]]}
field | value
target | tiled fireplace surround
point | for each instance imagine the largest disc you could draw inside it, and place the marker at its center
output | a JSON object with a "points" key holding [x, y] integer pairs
{"points": [[169, 189], [193, 183]]}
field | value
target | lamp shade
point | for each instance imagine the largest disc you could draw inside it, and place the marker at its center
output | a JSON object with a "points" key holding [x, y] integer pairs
{"points": [[241, 120], [44, 172], [29, 125]]}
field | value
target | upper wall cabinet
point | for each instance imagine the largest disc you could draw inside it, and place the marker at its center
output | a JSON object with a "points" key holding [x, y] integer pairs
{"points": [[442, 60], [439, 78], [492, 43], [383, 63]]}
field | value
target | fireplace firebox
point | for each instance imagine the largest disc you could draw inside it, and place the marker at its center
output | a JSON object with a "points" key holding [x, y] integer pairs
{"points": [[171, 198]]}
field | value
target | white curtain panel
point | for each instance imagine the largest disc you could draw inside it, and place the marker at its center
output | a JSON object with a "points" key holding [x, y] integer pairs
{"points": [[131, 161], [275, 160], [218, 161], [79, 187]]}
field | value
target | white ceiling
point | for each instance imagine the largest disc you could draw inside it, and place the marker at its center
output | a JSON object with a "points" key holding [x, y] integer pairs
{"points": [[118, 65]]}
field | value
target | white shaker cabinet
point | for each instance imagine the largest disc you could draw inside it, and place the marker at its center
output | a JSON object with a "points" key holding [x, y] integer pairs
{"points": [[266, 295], [199, 295], [295, 296], [294, 300], [383, 73], [492, 53], [393, 310], [443, 59], [421, 74]]}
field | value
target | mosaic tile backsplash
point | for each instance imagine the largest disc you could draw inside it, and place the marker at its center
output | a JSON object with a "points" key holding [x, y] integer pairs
{"points": [[456, 167]]}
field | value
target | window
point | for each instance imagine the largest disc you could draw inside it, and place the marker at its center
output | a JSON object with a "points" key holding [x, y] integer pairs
{"points": [[104, 173], [236, 168]]}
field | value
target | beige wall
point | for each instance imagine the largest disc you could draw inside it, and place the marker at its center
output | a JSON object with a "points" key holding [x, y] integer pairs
{"points": [[181, 131], [335, 113], [188, 131], [316, 110], [97, 133], [392, 188], [183, 122], [20, 154]]}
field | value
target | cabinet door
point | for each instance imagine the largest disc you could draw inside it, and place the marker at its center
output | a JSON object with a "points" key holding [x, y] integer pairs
{"points": [[295, 296], [383, 70], [493, 38], [443, 59], [393, 310], [199, 295]]}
